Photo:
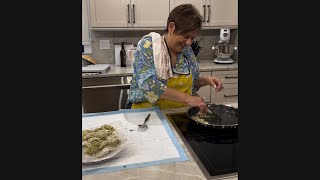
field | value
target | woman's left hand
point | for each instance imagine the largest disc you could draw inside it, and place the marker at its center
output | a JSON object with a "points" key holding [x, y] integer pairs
{"points": [[214, 82]]}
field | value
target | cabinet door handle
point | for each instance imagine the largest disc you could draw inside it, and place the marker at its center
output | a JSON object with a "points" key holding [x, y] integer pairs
{"points": [[208, 13], [233, 95], [128, 13], [133, 14], [120, 99], [204, 13], [231, 77]]}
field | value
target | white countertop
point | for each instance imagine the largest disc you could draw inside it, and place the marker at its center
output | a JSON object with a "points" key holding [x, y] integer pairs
{"points": [[204, 65]]}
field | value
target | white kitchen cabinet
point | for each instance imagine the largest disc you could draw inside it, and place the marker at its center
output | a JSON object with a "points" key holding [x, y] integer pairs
{"points": [[128, 13], [197, 3], [150, 13], [215, 13], [86, 39], [221, 13], [229, 94], [205, 91], [85, 26], [109, 13]]}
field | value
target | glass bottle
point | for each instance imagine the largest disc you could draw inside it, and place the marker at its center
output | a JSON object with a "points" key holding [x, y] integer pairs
{"points": [[123, 55]]}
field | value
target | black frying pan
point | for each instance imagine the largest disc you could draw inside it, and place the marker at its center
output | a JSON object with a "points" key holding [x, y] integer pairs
{"points": [[222, 116]]}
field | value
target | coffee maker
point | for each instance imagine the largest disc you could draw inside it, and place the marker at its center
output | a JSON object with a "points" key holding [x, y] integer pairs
{"points": [[224, 49]]}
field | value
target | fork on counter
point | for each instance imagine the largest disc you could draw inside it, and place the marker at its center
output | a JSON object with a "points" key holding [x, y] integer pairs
{"points": [[144, 126]]}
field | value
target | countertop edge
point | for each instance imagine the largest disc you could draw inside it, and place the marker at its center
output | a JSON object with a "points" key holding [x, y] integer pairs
{"points": [[204, 66]]}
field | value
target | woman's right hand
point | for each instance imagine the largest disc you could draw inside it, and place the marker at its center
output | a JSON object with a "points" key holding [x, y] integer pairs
{"points": [[197, 101]]}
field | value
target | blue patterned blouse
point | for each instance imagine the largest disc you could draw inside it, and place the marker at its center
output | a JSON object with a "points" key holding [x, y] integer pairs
{"points": [[144, 85]]}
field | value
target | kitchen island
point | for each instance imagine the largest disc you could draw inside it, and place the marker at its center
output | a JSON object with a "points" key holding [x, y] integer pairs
{"points": [[186, 170]]}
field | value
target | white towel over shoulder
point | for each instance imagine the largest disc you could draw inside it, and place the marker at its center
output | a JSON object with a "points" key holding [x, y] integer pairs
{"points": [[161, 57]]}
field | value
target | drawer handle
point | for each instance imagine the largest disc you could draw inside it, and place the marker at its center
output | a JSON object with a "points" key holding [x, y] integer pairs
{"points": [[230, 95], [231, 77]]}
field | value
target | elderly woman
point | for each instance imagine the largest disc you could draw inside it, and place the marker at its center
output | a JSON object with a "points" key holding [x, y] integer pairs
{"points": [[165, 68]]}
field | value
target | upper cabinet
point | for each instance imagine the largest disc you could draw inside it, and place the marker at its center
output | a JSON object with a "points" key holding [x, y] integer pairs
{"points": [[139, 14], [128, 13], [109, 13], [215, 13], [85, 26], [221, 13], [150, 13], [197, 3]]}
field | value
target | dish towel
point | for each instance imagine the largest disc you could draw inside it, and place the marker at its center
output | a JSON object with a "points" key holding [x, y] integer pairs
{"points": [[161, 57]]}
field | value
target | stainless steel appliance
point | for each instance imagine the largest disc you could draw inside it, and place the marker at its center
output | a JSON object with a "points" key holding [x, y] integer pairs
{"points": [[101, 94], [224, 49], [215, 150]]}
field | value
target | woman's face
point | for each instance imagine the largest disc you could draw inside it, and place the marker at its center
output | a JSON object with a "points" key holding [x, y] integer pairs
{"points": [[180, 41]]}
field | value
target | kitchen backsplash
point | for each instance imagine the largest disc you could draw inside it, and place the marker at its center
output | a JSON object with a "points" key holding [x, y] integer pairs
{"points": [[206, 38]]}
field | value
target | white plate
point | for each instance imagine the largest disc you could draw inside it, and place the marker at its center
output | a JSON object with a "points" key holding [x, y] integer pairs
{"points": [[87, 159]]}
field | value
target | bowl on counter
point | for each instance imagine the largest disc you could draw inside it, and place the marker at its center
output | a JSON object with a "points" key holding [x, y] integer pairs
{"points": [[224, 49]]}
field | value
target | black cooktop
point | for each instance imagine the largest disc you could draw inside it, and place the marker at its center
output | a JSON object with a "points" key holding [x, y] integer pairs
{"points": [[216, 149]]}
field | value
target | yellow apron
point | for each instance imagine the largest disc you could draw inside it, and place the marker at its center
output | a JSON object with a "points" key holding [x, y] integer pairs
{"points": [[182, 83]]}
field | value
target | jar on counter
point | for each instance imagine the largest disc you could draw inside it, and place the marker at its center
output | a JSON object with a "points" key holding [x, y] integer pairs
{"points": [[131, 52]]}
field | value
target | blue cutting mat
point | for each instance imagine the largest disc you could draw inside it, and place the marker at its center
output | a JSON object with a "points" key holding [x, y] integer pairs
{"points": [[182, 154]]}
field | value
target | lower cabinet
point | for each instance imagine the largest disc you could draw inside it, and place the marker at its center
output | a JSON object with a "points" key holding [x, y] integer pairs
{"points": [[104, 94], [229, 94], [205, 91]]}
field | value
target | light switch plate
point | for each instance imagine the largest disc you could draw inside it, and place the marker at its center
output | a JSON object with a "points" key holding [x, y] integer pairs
{"points": [[104, 44]]}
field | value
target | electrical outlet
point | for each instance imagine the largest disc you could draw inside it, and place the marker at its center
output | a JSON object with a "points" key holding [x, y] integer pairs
{"points": [[87, 49], [104, 44]]}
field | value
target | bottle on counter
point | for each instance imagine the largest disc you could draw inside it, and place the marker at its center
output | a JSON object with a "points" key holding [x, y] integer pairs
{"points": [[123, 55], [130, 54]]}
